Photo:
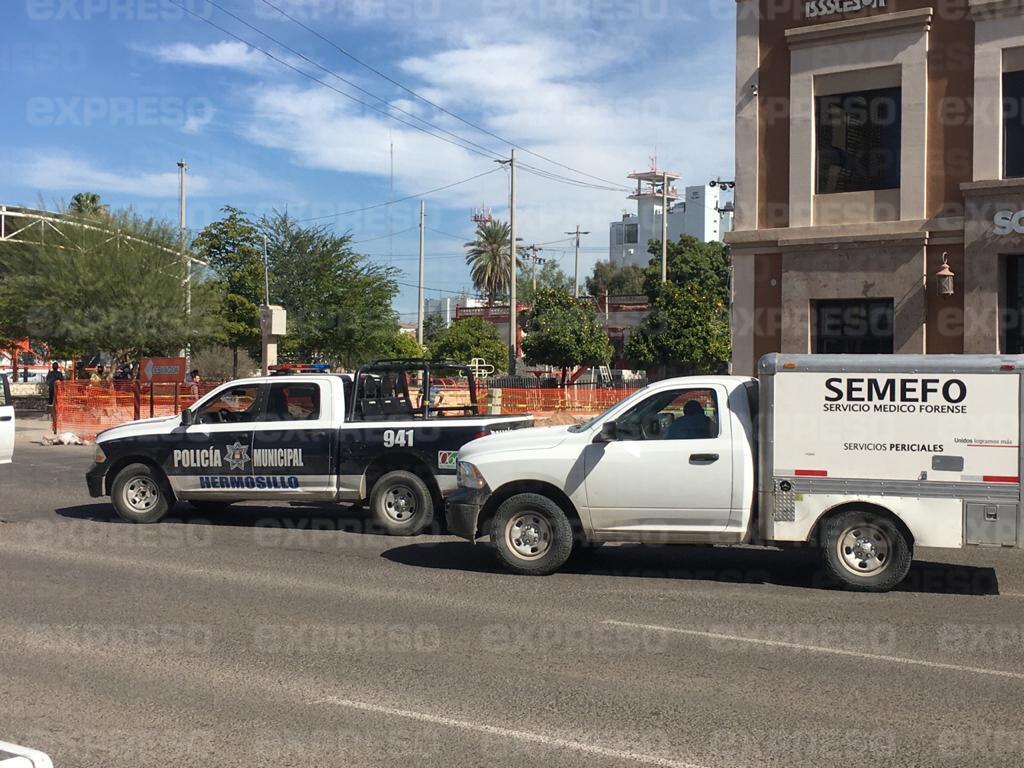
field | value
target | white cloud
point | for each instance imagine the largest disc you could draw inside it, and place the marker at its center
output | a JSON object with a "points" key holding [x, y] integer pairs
{"points": [[58, 172], [226, 53], [195, 123]]}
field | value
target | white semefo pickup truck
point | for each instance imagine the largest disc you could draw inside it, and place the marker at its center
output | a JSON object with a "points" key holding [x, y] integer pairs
{"points": [[866, 457]]}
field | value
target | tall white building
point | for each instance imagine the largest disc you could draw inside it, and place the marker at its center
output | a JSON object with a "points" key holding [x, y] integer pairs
{"points": [[699, 214]]}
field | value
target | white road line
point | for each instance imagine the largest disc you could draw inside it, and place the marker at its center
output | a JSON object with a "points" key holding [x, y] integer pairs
{"points": [[509, 733], [819, 649]]}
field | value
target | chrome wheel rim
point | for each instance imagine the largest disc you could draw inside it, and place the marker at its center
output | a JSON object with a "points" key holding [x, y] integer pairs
{"points": [[864, 550], [528, 535], [140, 494], [400, 503]]}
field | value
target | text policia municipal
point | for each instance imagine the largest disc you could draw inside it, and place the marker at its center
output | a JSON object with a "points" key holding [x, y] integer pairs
{"points": [[895, 395], [208, 458]]}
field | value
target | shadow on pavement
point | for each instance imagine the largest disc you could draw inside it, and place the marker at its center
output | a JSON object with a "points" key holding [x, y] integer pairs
{"points": [[700, 563], [324, 516]]}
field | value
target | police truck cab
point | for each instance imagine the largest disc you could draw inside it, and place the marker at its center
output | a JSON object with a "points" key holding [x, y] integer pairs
{"points": [[377, 437]]}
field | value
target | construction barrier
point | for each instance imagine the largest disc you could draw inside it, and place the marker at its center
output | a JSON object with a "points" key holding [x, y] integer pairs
{"points": [[515, 400], [86, 409]]}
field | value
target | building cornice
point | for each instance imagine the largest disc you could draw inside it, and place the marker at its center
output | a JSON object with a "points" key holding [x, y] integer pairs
{"points": [[992, 187], [994, 9], [950, 229], [918, 20]]}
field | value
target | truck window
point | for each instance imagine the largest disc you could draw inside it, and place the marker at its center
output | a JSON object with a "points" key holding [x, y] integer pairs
{"points": [[677, 414], [232, 406], [292, 402]]}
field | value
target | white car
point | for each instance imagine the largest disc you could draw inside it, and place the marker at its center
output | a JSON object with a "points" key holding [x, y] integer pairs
{"points": [[6, 422]]}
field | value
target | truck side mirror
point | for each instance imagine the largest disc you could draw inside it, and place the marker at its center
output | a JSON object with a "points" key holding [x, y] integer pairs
{"points": [[609, 433], [187, 418]]}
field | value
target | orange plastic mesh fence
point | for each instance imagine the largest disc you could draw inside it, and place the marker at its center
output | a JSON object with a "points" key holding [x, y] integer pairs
{"points": [[86, 409]]}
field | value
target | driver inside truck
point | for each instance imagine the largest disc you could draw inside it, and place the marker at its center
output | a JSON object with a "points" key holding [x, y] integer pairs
{"points": [[694, 424]]}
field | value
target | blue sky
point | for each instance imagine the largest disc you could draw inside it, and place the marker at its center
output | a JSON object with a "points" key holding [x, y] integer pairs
{"points": [[107, 95]]}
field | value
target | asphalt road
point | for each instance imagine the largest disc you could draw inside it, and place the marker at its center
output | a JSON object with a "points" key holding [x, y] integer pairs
{"points": [[291, 636]]}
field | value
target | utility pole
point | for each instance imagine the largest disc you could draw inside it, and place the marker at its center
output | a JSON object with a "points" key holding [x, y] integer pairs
{"points": [[513, 320], [576, 274], [664, 227], [419, 291], [186, 261], [534, 249]]}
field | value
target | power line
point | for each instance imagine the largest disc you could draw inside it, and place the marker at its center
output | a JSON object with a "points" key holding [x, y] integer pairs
{"points": [[348, 82], [456, 140], [381, 237], [422, 98], [490, 154], [399, 199]]}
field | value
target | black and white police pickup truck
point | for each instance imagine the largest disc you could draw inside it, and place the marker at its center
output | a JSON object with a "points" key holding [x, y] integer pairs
{"points": [[376, 437]]}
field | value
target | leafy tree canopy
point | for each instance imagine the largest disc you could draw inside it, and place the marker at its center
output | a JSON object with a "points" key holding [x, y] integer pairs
{"points": [[626, 280], [339, 304], [118, 287], [233, 246], [564, 332], [549, 275], [469, 338], [687, 329]]}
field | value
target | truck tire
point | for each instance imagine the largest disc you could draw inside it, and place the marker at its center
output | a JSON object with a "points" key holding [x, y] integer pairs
{"points": [[865, 551], [140, 494], [531, 534], [401, 503]]}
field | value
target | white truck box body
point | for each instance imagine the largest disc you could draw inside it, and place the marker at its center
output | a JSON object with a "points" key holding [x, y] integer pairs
{"points": [[934, 439]]}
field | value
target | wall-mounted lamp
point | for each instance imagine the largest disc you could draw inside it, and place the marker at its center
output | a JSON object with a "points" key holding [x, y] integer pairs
{"points": [[944, 278]]}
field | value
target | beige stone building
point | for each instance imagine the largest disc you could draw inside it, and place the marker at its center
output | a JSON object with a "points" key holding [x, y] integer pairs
{"points": [[876, 140]]}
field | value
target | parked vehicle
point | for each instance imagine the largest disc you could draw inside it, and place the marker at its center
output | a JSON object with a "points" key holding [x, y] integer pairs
{"points": [[866, 457], [374, 438], [6, 421]]}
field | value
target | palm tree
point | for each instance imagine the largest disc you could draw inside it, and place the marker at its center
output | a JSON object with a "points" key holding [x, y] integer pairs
{"points": [[488, 259], [88, 204]]}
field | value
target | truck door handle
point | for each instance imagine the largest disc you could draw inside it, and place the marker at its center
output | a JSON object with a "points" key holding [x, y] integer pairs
{"points": [[703, 458], [6, 418]]}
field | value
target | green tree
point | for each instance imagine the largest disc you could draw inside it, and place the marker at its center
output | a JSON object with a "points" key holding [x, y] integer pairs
{"points": [[117, 288], [232, 246], [549, 276], [687, 328], [469, 338], [402, 345], [616, 280], [88, 204], [433, 324], [488, 258], [339, 304], [564, 332], [691, 260]]}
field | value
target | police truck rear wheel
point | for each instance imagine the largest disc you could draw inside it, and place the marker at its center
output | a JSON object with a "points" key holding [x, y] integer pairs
{"points": [[401, 503], [865, 551], [531, 534], [140, 494]]}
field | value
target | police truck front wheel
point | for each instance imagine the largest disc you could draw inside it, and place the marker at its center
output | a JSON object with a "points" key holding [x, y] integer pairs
{"points": [[865, 551], [140, 494], [401, 503], [531, 534]]}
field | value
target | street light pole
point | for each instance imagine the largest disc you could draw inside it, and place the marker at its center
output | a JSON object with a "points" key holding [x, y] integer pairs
{"points": [[576, 278], [664, 227], [419, 292], [186, 261]]}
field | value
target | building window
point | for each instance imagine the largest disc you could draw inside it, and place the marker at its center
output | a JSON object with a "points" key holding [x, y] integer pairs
{"points": [[858, 140], [853, 327], [632, 233], [1013, 312], [1013, 125]]}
